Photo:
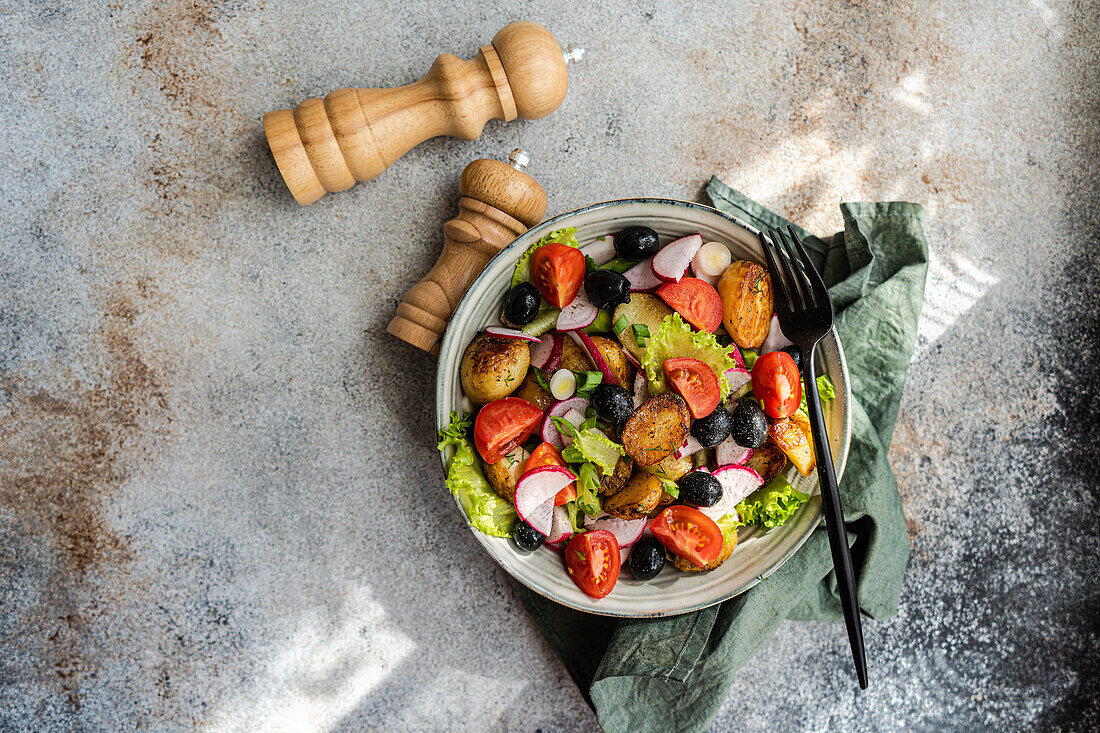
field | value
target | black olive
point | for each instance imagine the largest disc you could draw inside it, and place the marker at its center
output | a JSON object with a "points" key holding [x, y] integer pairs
{"points": [[700, 488], [647, 557], [637, 243], [613, 403], [521, 304], [525, 537], [712, 429], [606, 288], [749, 427], [795, 354]]}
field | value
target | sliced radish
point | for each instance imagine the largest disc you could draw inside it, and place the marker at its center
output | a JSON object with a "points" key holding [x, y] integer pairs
{"points": [[575, 418], [735, 353], [737, 483], [560, 528], [711, 260], [578, 314], [601, 250], [729, 453], [740, 383], [535, 492], [557, 547], [689, 447], [626, 531], [585, 342], [641, 277], [774, 341], [544, 350], [632, 359], [556, 353], [641, 389], [549, 431], [671, 262], [563, 384], [502, 332]]}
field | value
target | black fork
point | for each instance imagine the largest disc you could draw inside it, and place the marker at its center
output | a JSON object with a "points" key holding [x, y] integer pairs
{"points": [[806, 315]]}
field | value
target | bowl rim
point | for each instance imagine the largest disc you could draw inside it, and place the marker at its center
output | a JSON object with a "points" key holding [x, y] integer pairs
{"points": [[549, 225]]}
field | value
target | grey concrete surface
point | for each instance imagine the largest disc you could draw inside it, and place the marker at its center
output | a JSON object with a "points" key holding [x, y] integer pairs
{"points": [[219, 504]]}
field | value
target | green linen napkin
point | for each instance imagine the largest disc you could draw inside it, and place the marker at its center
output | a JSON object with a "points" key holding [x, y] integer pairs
{"points": [[673, 674]]}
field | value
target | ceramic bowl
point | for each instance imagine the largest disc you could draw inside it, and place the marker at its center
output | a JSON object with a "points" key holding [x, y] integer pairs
{"points": [[759, 552]]}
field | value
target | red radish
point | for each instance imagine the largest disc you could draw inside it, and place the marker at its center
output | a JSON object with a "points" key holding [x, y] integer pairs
{"points": [[578, 313], [690, 447], [624, 556], [543, 352], [549, 431], [774, 341], [737, 483], [641, 277], [510, 333], [560, 528], [535, 492], [729, 453], [711, 261], [671, 262], [555, 355], [641, 389], [740, 383], [556, 546], [575, 419], [585, 342], [632, 359], [626, 531], [735, 354], [601, 250]]}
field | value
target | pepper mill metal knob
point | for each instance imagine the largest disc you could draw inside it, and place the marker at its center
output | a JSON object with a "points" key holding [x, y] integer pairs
{"points": [[354, 134], [499, 202]]}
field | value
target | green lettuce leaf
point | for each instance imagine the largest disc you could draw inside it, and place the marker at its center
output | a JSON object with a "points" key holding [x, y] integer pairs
{"points": [[729, 524], [825, 391], [677, 339], [588, 487], [602, 324], [593, 446], [772, 504], [522, 273], [618, 264], [546, 319], [486, 511]]}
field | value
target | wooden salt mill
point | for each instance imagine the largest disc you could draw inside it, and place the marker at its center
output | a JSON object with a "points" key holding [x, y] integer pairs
{"points": [[354, 134], [499, 202]]}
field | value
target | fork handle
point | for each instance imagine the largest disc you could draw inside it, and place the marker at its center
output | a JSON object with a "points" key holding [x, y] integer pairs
{"points": [[834, 519]]}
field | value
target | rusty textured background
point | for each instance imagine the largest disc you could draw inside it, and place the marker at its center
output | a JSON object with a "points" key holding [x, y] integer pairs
{"points": [[219, 503]]}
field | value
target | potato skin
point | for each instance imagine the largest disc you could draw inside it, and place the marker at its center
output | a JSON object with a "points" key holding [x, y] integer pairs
{"points": [[504, 474], [767, 460], [615, 482], [656, 429], [682, 563], [573, 357], [636, 499], [670, 468], [789, 436], [616, 360], [493, 368], [641, 308], [531, 391], [747, 304]]}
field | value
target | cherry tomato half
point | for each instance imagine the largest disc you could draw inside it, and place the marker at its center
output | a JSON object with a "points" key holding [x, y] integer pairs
{"points": [[592, 560], [696, 300], [557, 271], [777, 384], [502, 425], [548, 455], [693, 380], [689, 533]]}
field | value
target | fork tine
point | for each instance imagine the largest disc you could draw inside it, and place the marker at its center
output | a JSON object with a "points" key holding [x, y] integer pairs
{"points": [[791, 268], [817, 285], [776, 275]]}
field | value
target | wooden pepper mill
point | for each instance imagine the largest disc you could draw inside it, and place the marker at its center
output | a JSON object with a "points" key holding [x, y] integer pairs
{"points": [[499, 202], [354, 134]]}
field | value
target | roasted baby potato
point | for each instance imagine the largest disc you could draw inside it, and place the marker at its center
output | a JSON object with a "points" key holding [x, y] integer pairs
{"points": [[656, 429], [573, 357], [767, 460], [636, 499], [616, 360], [493, 368], [504, 474], [613, 483], [531, 391], [729, 541], [795, 442], [747, 305], [670, 468], [643, 308]]}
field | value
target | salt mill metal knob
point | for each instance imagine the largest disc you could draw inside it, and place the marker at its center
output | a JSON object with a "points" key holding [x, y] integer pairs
{"points": [[354, 134], [498, 203]]}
